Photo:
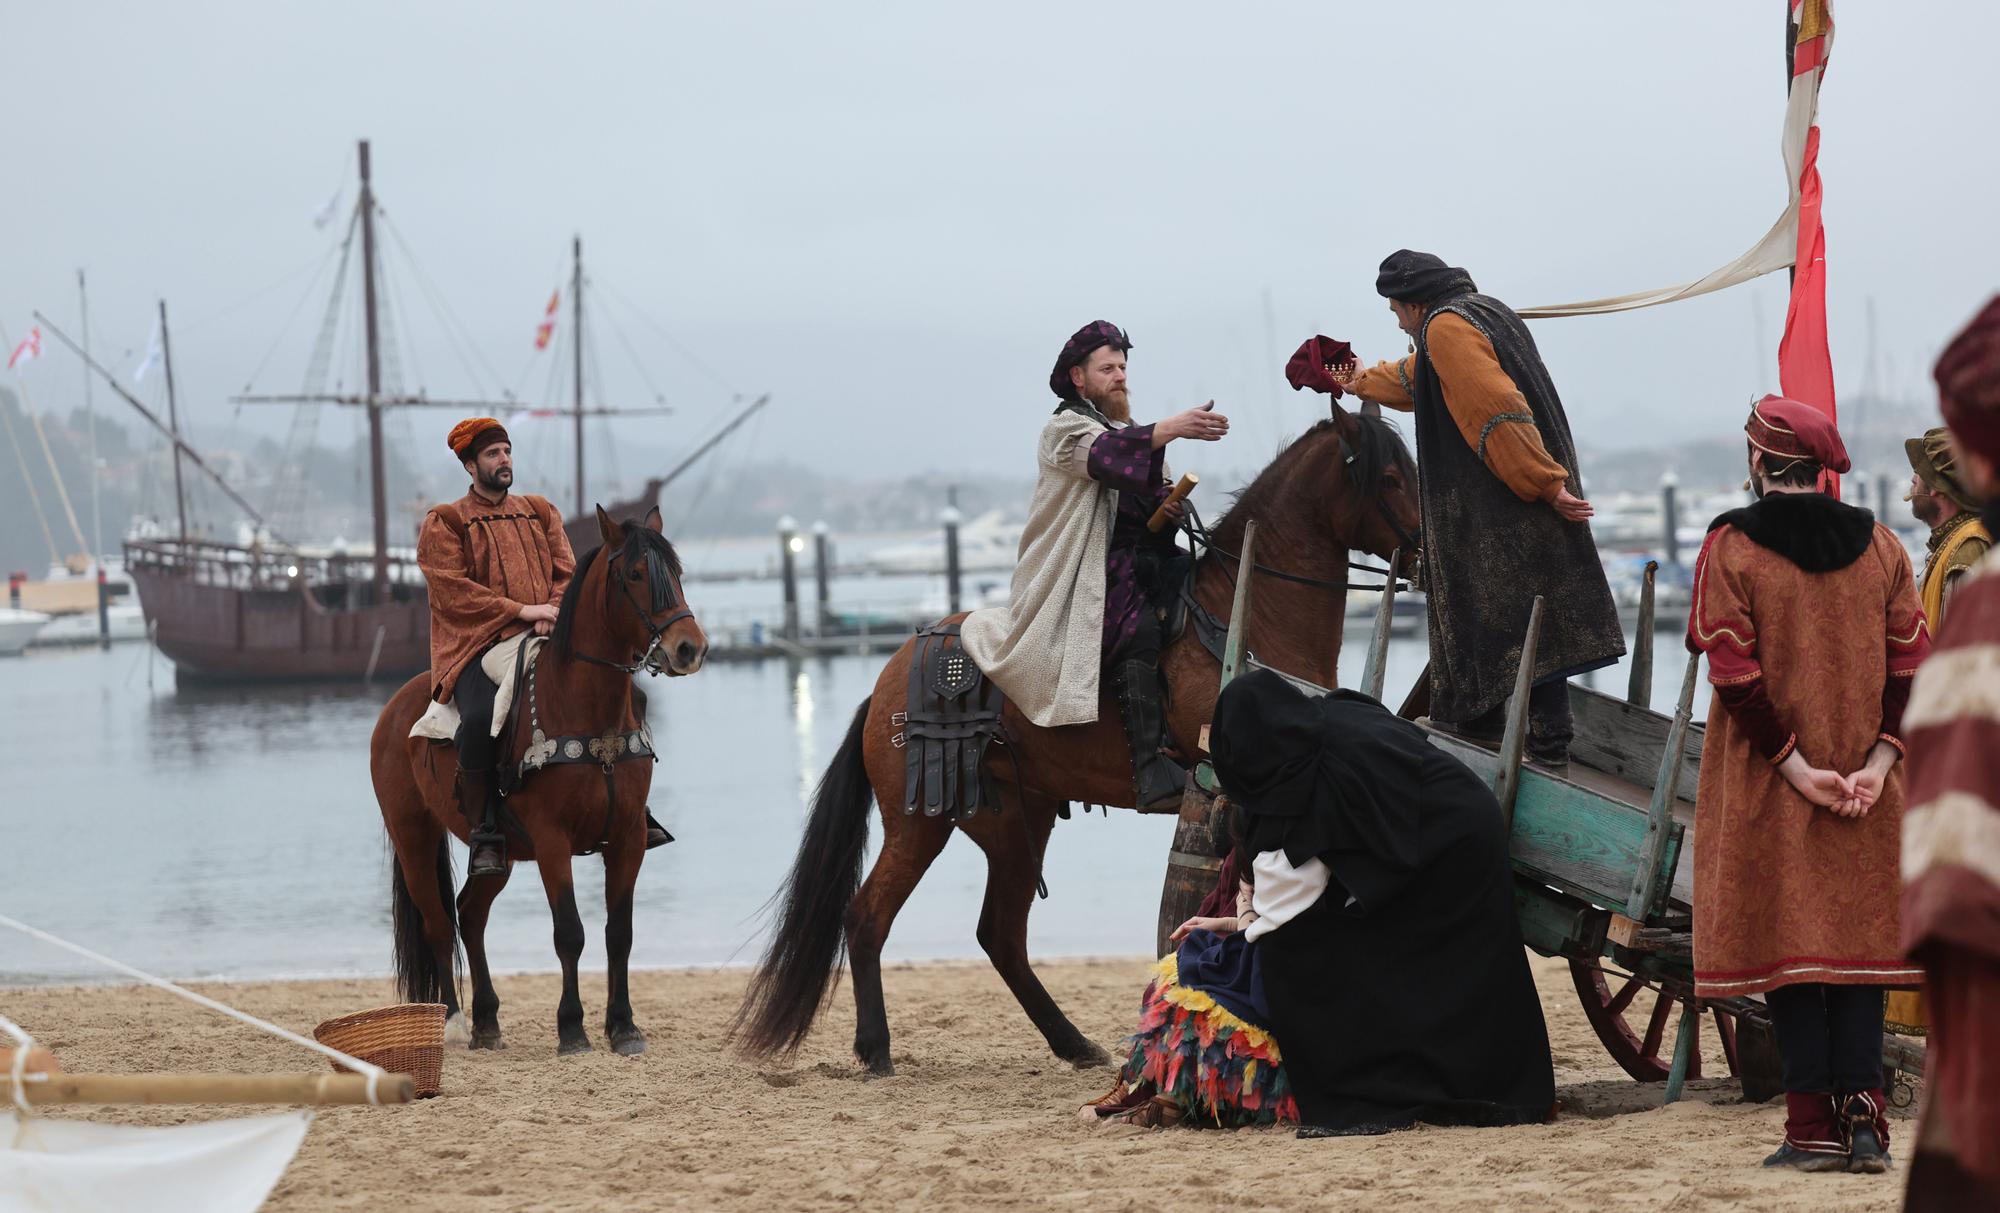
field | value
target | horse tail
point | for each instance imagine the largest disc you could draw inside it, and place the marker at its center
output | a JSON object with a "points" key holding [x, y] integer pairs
{"points": [[417, 972], [804, 956]]}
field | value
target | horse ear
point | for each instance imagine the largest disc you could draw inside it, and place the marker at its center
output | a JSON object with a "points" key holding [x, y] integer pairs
{"points": [[654, 522], [612, 532]]}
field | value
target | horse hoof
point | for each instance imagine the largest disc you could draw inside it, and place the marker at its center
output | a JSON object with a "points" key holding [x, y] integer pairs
{"points": [[488, 1040], [629, 1046], [880, 1068], [572, 1048], [457, 1029], [1091, 1059]]}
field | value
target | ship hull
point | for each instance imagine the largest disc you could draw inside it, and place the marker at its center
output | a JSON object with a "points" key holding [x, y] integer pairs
{"points": [[223, 633]]}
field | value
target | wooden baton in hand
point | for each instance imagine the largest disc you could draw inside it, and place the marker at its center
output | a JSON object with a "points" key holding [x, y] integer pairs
{"points": [[1181, 489]]}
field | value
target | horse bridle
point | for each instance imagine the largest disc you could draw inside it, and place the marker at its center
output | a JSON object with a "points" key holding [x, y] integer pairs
{"points": [[1411, 542], [654, 631]]}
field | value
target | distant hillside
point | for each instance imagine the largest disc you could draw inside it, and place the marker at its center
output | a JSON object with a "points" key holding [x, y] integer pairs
{"points": [[1874, 431]]}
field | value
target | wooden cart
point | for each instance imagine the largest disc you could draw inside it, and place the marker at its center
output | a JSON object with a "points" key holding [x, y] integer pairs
{"points": [[1602, 856]]}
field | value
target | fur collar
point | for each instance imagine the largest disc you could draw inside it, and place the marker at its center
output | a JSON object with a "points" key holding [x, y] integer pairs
{"points": [[1811, 530]]}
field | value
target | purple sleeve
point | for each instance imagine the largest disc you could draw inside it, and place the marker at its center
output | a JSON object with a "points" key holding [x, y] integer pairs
{"points": [[1125, 460], [1751, 705]]}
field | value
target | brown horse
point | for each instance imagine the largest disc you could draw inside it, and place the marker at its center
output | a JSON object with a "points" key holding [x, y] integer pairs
{"points": [[623, 611], [1347, 483]]}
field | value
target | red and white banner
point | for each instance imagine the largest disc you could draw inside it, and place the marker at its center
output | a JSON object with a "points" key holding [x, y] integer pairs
{"points": [[547, 328], [1805, 368], [29, 349]]}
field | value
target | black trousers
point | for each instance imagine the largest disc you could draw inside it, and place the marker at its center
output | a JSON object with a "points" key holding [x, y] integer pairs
{"points": [[1550, 725], [1829, 1037], [1144, 642], [474, 695]]}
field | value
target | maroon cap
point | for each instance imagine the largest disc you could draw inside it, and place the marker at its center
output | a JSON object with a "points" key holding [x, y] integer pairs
{"points": [[1793, 429], [1308, 367]]}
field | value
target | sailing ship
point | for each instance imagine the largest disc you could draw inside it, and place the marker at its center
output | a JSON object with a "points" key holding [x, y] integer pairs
{"points": [[272, 610]]}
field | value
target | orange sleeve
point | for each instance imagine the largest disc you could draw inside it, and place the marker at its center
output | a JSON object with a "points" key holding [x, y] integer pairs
{"points": [[1491, 413], [1387, 383], [562, 560], [1722, 621], [456, 598], [1909, 639]]}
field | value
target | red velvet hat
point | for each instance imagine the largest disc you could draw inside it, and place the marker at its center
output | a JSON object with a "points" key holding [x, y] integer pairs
{"points": [[1310, 366], [1793, 429]]}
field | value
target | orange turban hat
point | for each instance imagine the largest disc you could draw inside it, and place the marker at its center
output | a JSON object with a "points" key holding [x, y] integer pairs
{"points": [[475, 434]]}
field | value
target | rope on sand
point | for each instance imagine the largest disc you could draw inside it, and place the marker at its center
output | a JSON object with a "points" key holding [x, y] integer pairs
{"points": [[24, 1042]]}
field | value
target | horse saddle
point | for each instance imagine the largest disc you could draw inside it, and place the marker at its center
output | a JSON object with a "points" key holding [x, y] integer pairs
{"points": [[950, 717], [504, 663]]}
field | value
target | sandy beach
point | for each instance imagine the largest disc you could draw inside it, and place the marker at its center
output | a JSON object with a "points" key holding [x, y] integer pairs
{"points": [[979, 1115]]}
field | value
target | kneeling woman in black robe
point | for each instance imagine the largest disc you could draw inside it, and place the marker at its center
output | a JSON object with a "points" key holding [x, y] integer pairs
{"points": [[1381, 951]]}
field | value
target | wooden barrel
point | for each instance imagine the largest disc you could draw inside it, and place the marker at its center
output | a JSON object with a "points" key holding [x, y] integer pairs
{"points": [[1192, 865]]}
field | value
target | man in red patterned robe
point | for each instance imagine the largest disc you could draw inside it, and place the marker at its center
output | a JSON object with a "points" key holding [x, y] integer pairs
{"points": [[1808, 612]]}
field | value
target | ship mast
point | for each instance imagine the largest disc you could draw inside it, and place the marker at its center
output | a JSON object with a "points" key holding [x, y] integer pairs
{"points": [[173, 420], [377, 491], [576, 329]]}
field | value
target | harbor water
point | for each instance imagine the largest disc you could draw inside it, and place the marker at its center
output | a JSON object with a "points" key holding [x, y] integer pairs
{"points": [[231, 831]]}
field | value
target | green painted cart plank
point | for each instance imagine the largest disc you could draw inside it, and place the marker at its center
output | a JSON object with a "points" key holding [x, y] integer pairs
{"points": [[1571, 837]]}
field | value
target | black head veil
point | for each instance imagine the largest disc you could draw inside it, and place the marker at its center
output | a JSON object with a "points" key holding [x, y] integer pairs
{"points": [[1338, 778]]}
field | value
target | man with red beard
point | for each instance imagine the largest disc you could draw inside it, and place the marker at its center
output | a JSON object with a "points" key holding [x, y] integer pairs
{"points": [[1090, 575]]}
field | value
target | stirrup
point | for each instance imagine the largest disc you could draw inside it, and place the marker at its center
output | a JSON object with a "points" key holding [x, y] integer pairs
{"points": [[656, 834], [494, 848]]}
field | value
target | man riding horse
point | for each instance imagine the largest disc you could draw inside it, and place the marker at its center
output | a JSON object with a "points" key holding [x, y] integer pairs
{"points": [[1085, 592], [497, 563]]}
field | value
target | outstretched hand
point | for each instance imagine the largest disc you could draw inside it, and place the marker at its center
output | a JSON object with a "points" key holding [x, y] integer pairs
{"points": [[1203, 424]]}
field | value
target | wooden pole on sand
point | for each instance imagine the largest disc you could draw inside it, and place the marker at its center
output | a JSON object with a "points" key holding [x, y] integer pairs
{"points": [[327, 1088]]}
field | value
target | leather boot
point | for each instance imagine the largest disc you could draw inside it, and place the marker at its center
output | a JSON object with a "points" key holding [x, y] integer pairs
{"points": [[1867, 1132], [489, 845], [1157, 779], [656, 834]]}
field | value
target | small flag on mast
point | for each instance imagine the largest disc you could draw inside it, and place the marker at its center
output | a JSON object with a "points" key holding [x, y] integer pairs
{"points": [[155, 351], [29, 349], [547, 328], [324, 215]]}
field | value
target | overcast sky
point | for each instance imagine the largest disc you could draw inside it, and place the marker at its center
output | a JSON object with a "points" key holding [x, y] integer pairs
{"points": [[890, 216]]}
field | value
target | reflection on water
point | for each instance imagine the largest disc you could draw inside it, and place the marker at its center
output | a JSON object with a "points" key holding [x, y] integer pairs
{"points": [[232, 831]]}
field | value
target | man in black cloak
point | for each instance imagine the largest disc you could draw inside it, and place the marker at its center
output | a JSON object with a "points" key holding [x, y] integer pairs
{"points": [[1502, 519], [1387, 944]]}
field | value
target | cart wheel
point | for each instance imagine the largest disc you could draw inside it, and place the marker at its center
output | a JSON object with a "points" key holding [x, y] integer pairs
{"points": [[1636, 1021]]}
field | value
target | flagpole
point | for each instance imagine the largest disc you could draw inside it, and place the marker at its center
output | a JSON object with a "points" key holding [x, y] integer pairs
{"points": [[173, 419]]}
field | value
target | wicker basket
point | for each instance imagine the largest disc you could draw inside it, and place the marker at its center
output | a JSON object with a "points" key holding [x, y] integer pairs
{"points": [[404, 1039]]}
